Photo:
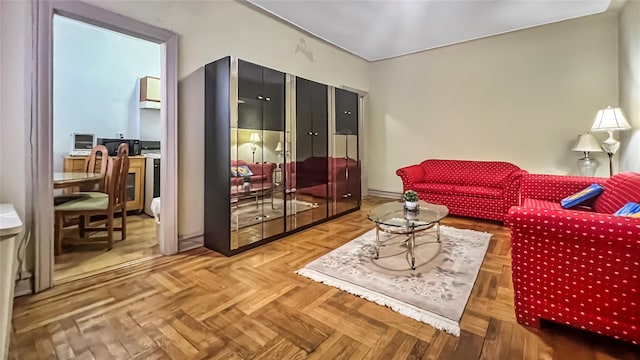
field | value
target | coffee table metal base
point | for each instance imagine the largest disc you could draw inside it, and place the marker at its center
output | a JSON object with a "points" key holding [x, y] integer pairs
{"points": [[411, 238]]}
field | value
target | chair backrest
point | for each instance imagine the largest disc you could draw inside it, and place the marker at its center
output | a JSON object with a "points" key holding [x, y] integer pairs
{"points": [[118, 180], [90, 166]]}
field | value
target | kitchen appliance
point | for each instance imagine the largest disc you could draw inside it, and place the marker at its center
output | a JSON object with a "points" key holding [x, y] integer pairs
{"points": [[112, 145], [82, 144], [151, 149]]}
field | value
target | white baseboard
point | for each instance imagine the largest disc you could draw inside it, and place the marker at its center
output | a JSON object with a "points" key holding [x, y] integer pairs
{"points": [[385, 194], [24, 284], [190, 242]]}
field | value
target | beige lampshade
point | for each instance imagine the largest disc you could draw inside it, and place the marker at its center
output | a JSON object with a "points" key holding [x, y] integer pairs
{"points": [[610, 119], [255, 137], [587, 143], [279, 146]]}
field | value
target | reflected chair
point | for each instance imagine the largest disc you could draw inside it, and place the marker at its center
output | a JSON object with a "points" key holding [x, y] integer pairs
{"points": [[99, 203]]}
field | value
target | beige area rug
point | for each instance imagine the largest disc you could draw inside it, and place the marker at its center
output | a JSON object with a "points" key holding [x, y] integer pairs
{"points": [[435, 293], [248, 214]]}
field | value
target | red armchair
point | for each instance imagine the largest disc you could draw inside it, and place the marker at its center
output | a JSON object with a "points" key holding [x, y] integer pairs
{"points": [[262, 173], [578, 266], [480, 189]]}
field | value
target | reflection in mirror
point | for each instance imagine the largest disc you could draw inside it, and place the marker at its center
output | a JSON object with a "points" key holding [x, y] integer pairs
{"points": [[257, 198]]}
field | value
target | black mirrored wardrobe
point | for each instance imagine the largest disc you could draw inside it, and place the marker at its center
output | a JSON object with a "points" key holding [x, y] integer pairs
{"points": [[281, 154]]}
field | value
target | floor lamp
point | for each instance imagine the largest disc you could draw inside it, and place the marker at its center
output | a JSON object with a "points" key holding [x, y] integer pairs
{"points": [[610, 120], [254, 139]]}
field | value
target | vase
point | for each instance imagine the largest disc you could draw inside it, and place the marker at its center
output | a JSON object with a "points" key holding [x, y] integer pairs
{"points": [[246, 186], [411, 205]]}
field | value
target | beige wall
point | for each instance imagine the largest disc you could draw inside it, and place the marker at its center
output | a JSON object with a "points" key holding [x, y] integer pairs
{"points": [[521, 97], [630, 84]]}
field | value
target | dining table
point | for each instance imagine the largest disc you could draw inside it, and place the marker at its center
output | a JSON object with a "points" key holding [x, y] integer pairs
{"points": [[73, 179]]}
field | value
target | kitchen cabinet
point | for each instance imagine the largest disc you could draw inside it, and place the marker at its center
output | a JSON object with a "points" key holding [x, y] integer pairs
{"points": [[135, 178]]}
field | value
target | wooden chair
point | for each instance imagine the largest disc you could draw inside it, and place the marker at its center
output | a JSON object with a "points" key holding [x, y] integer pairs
{"points": [[99, 203], [90, 165]]}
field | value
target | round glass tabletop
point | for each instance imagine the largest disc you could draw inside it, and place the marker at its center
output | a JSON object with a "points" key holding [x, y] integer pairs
{"points": [[394, 214]]}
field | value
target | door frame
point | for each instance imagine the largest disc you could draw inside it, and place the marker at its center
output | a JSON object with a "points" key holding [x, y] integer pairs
{"points": [[40, 173]]}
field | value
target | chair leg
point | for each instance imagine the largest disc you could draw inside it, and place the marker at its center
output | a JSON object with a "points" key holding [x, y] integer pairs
{"points": [[59, 223], [124, 224], [109, 231]]}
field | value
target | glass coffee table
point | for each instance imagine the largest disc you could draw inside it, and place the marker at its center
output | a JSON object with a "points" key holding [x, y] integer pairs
{"points": [[393, 218]]}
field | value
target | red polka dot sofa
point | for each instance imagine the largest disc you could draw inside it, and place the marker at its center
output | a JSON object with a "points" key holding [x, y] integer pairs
{"points": [[579, 266], [480, 189]]}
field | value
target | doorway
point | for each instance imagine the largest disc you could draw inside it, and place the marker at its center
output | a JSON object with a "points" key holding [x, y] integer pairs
{"points": [[42, 122], [106, 90]]}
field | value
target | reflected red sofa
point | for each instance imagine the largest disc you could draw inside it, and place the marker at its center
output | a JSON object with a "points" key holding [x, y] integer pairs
{"points": [[311, 176], [480, 189], [578, 266], [262, 173]]}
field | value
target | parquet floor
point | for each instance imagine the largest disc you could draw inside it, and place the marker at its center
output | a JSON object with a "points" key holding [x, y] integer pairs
{"points": [[80, 261], [201, 305]]}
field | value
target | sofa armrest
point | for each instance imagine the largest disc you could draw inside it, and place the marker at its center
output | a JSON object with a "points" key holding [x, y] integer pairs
{"points": [[555, 187], [512, 188], [410, 175]]}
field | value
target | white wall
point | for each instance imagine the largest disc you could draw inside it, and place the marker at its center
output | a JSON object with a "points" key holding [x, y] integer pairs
{"points": [[521, 97], [630, 85], [210, 30], [95, 84], [14, 108]]}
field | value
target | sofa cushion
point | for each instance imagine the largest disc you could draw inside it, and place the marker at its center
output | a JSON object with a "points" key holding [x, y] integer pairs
{"points": [[241, 171], [581, 196], [540, 204], [478, 191], [434, 188], [630, 209], [467, 172], [618, 190]]}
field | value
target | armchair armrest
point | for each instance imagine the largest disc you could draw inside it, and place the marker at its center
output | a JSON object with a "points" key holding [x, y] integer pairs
{"points": [[555, 187], [575, 226], [410, 175]]}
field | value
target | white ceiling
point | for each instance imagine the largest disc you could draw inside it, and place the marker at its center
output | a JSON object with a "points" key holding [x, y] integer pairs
{"points": [[380, 29]]}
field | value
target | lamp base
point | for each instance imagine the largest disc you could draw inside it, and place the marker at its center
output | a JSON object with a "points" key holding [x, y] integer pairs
{"points": [[587, 166]]}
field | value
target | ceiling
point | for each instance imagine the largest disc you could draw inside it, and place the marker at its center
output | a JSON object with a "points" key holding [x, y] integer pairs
{"points": [[380, 29]]}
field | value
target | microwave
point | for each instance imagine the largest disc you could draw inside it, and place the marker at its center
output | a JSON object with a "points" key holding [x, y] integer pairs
{"points": [[113, 144]]}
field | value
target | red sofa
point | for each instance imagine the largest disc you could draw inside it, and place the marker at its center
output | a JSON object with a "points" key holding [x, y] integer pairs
{"points": [[480, 189], [262, 173], [578, 266]]}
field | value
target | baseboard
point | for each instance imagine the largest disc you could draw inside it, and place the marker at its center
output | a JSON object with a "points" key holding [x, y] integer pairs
{"points": [[191, 242], [24, 284], [385, 194]]}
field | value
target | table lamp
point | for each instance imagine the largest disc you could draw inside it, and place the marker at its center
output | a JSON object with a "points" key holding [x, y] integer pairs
{"points": [[587, 143], [255, 139], [610, 120]]}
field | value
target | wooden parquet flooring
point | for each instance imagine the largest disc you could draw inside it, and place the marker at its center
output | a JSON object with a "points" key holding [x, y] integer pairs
{"points": [[201, 305], [80, 261]]}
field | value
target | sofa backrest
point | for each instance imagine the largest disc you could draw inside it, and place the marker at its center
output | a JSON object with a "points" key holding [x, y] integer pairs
{"points": [[468, 172], [618, 190]]}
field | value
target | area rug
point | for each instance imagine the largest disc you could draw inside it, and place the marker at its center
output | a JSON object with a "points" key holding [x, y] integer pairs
{"points": [[435, 293], [248, 214]]}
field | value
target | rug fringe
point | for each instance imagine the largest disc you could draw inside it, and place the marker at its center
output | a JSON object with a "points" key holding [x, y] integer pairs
{"points": [[438, 322]]}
